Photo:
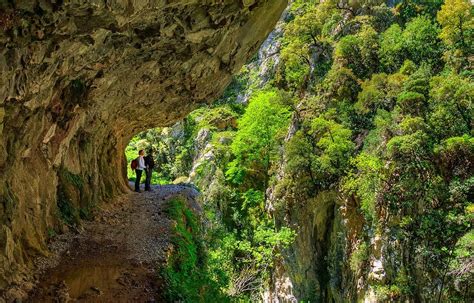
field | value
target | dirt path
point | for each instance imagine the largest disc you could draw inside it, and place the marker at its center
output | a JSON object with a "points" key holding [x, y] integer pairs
{"points": [[116, 257]]}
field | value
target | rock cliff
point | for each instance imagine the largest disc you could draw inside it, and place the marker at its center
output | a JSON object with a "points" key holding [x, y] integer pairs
{"points": [[80, 78]]}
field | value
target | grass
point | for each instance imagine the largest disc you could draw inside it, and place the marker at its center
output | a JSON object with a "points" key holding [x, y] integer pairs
{"points": [[186, 272]]}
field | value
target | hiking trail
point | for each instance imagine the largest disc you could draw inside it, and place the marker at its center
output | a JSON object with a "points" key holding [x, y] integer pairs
{"points": [[115, 257]]}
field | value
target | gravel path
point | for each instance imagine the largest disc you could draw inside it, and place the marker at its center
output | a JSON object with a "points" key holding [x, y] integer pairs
{"points": [[115, 258]]}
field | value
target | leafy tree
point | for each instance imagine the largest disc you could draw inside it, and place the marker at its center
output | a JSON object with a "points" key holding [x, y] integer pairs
{"points": [[300, 6], [379, 92], [418, 42], [306, 46], [187, 274], [357, 7], [392, 52], [460, 266], [419, 81], [300, 155], [255, 144], [340, 84], [455, 157], [334, 148], [408, 9], [451, 105], [409, 148], [457, 33], [384, 128], [421, 40], [411, 103], [361, 182], [359, 52], [457, 23]]}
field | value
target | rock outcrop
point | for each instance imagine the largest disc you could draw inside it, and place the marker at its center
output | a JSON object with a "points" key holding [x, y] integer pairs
{"points": [[79, 78]]}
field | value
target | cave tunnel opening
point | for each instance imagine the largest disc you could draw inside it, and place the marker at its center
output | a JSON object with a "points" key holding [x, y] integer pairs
{"points": [[159, 144], [188, 151]]}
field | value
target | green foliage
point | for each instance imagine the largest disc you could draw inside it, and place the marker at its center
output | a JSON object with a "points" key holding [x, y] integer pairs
{"points": [[339, 85], [256, 140], [451, 105], [255, 242], [408, 147], [455, 156], [392, 49], [418, 41], [300, 158], [380, 92], [242, 263], [419, 80], [359, 52], [456, 19], [461, 267], [408, 9], [421, 40], [216, 118], [411, 103], [380, 103], [362, 182], [66, 210], [359, 257], [186, 274], [267, 242], [253, 204], [334, 145], [401, 287], [307, 33]]}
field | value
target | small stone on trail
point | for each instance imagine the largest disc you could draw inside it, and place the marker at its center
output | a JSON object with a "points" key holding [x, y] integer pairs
{"points": [[96, 289]]}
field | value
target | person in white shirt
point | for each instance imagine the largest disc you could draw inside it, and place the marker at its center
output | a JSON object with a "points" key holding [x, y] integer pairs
{"points": [[140, 168]]}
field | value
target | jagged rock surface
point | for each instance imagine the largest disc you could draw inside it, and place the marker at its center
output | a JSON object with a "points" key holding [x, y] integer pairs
{"points": [[79, 78]]}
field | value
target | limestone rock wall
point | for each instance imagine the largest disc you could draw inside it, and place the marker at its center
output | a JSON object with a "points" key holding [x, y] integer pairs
{"points": [[79, 78]]}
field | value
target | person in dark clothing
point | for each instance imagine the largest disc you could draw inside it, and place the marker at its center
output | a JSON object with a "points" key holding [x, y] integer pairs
{"points": [[150, 165], [139, 170]]}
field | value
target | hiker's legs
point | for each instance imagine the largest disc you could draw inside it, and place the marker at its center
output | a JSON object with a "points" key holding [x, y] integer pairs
{"points": [[138, 178], [148, 179]]}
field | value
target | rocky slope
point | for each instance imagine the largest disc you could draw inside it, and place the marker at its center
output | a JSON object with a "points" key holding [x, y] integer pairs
{"points": [[79, 78]]}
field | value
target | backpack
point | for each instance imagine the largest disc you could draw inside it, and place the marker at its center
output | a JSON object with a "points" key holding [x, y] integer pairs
{"points": [[134, 164]]}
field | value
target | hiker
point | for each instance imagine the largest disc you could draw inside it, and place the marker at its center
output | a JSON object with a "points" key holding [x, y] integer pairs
{"points": [[150, 165], [140, 166]]}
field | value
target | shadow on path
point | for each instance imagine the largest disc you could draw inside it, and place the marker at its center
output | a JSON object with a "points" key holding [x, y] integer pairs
{"points": [[115, 258]]}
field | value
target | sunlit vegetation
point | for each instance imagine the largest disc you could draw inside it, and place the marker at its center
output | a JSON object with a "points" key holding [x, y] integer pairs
{"points": [[369, 100]]}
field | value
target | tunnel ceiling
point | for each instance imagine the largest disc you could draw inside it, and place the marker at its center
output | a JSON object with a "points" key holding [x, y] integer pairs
{"points": [[135, 63]]}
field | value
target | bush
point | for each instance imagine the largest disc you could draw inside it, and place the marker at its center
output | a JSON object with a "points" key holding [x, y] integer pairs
{"points": [[411, 103], [421, 41], [359, 52], [359, 257], [186, 273], [392, 52]]}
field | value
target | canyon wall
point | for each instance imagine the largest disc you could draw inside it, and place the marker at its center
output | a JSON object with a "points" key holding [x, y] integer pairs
{"points": [[79, 78], [378, 192]]}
